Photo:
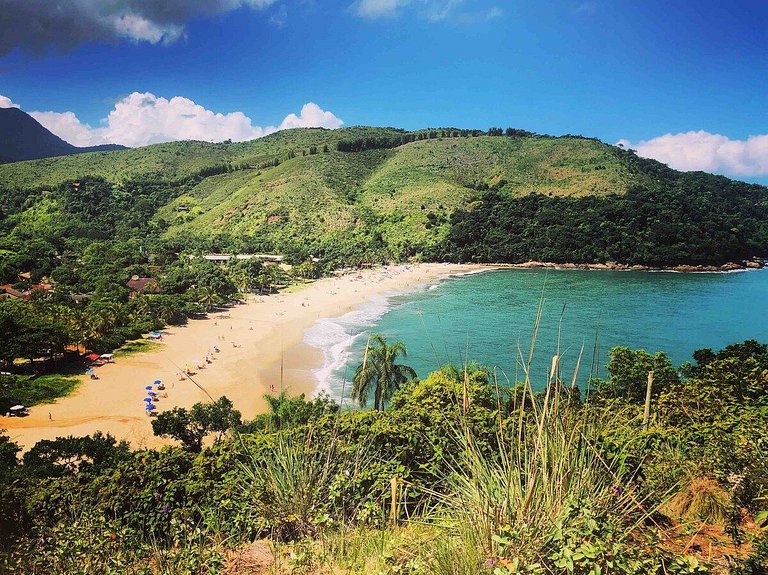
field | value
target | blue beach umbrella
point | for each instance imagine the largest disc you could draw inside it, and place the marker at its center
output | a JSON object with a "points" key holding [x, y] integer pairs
{"points": [[148, 399], [157, 382], [150, 407], [152, 393], [148, 387]]}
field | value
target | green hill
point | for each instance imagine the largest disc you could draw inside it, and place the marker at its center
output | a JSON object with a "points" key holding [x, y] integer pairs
{"points": [[364, 193], [173, 160]]}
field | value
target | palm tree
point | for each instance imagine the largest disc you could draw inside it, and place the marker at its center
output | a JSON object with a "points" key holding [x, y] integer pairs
{"points": [[78, 325], [141, 307], [105, 316], [207, 297], [380, 371], [166, 309]]}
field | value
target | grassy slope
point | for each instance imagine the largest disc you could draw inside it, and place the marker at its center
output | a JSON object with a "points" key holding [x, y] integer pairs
{"points": [[301, 198], [405, 194], [172, 160], [560, 166], [408, 193]]}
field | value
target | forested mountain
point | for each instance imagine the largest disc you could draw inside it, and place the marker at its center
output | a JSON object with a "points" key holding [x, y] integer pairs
{"points": [[24, 138], [373, 194]]}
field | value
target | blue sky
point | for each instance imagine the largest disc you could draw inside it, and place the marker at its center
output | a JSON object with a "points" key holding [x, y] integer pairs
{"points": [[686, 82]]}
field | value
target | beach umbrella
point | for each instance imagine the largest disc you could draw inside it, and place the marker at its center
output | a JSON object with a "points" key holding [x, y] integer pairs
{"points": [[148, 387], [93, 356], [152, 393], [148, 399], [158, 382], [150, 407]]}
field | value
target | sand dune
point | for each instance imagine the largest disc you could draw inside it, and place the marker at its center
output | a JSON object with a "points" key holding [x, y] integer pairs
{"points": [[257, 341]]}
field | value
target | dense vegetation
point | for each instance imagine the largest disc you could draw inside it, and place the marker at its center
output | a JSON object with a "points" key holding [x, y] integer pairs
{"points": [[493, 480], [694, 218], [374, 194], [488, 481]]}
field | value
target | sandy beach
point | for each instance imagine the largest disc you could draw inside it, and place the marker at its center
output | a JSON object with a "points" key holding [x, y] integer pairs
{"points": [[256, 341]]}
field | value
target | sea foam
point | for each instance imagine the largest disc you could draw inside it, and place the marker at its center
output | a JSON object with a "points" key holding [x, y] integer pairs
{"points": [[336, 336]]}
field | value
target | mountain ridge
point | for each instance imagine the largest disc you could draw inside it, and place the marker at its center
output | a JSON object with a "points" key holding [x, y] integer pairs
{"points": [[24, 138], [384, 194]]}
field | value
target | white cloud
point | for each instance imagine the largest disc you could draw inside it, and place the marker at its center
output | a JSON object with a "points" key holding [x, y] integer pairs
{"points": [[442, 10], [6, 102], [140, 29], [378, 8], [311, 116], [432, 10], [708, 152], [279, 17], [140, 119], [37, 24], [68, 127]]}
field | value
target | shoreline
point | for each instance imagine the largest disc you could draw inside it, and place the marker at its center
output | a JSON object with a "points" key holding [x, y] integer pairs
{"points": [[261, 351], [614, 266]]}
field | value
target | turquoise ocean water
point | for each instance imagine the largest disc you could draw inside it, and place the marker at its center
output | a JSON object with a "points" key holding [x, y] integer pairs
{"points": [[489, 318]]}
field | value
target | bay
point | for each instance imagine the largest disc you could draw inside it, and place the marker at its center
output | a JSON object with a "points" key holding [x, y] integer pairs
{"points": [[490, 317]]}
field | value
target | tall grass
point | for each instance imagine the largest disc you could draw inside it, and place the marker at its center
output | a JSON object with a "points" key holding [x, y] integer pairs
{"points": [[299, 482], [545, 481]]}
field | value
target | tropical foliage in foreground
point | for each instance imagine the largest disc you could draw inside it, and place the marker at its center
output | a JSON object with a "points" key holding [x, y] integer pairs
{"points": [[479, 479]]}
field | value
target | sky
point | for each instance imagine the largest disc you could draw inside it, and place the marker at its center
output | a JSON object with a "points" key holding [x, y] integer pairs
{"points": [[683, 82]]}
